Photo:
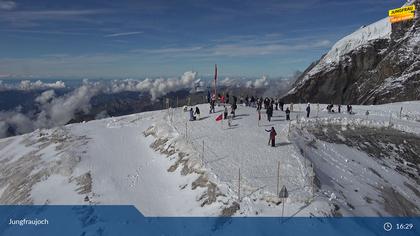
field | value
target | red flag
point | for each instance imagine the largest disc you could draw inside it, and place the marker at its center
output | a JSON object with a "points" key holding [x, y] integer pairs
{"points": [[220, 117]]}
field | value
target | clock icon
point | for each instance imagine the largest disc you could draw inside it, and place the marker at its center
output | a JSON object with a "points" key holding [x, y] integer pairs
{"points": [[387, 226]]}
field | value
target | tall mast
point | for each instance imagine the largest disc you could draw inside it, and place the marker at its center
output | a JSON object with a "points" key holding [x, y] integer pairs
{"points": [[215, 80]]}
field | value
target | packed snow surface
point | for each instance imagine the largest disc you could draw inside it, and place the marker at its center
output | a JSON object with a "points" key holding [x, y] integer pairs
{"points": [[190, 168]]}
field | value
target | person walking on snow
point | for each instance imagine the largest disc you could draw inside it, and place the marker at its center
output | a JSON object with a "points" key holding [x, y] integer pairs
{"points": [[272, 136], [287, 114], [308, 110]]}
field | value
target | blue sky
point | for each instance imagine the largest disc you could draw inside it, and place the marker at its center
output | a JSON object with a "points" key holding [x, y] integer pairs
{"points": [[104, 38]]}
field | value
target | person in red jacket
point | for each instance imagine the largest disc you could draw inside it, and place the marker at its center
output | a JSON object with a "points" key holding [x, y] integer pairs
{"points": [[272, 136]]}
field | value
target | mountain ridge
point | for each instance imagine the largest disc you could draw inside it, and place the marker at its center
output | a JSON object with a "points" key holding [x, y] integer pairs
{"points": [[379, 63]]}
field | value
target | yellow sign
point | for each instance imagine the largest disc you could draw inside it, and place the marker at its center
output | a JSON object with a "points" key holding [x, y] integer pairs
{"points": [[399, 18], [408, 10]]}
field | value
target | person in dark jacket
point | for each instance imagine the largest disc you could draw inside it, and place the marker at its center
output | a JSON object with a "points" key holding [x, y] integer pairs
{"points": [[287, 114], [197, 113], [233, 108], [225, 113], [192, 117], [269, 113], [272, 137], [308, 110], [281, 103]]}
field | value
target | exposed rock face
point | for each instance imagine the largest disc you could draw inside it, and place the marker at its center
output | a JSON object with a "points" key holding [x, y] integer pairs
{"points": [[379, 63]]}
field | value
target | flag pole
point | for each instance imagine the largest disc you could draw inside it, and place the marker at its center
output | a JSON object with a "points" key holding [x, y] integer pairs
{"points": [[215, 80]]}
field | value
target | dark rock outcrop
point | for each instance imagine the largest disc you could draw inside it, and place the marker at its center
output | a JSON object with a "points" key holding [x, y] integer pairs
{"points": [[382, 70]]}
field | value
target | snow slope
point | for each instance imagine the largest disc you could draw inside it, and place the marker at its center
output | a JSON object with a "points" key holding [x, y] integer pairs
{"points": [[125, 170], [367, 164], [166, 165]]}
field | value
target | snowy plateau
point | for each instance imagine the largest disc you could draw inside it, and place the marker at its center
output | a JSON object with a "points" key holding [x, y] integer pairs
{"points": [[332, 164]]}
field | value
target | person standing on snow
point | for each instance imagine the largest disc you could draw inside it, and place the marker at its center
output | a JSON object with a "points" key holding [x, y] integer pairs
{"points": [[349, 109], [230, 118], [281, 104], [269, 112], [212, 103], [233, 109], [225, 113], [192, 117], [308, 110], [272, 136], [287, 114], [197, 112]]}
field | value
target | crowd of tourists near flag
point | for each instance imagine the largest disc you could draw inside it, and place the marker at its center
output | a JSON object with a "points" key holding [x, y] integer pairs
{"points": [[227, 105]]}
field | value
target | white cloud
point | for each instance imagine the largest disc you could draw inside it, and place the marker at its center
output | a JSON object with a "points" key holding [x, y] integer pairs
{"points": [[54, 111], [261, 48], [61, 110], [32, 17], [169, 50], [156, 87], [3, 129], [17, 121], [229, 82], [7, 5], [45, 97], [123, 34], [28, 85], [258, 83], [242, 46]]}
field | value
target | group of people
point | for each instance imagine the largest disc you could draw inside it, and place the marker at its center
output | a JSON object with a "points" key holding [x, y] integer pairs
{"points": [[194, 115], [330, 108], [269, 104], [258, 102]]}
